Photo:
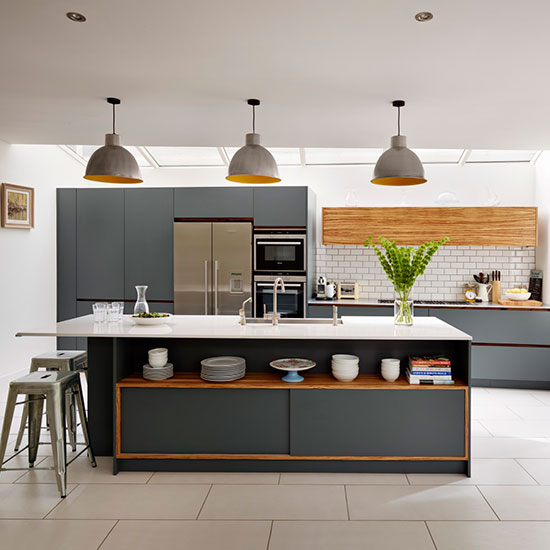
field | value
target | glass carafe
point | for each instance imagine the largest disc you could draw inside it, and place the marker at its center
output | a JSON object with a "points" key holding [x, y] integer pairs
{"points": [[141, 303]]}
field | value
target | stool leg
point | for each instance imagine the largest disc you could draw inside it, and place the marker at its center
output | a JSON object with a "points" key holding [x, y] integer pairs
{"points": [[84, 422], [22, 427], [36, 407], [55, 405], [8, 417], [71, 419]]}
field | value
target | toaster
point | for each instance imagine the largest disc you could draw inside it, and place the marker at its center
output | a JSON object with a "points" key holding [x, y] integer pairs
{"points": [[348, 290]]}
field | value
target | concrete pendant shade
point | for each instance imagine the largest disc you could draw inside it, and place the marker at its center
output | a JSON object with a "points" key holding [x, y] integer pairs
{"points": [[253, 163], [113, 164], [398, 165]]}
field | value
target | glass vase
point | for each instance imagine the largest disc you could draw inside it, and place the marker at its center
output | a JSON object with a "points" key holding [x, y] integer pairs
{"points": [[141, 303], [403, 307]]}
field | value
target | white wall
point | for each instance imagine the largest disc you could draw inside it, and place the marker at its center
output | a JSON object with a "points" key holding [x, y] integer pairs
{"points": [[27, 256]]}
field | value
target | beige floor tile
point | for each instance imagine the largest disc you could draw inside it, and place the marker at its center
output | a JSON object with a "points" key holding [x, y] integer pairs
{"points": [[539, 468], [485, 471], [531, 413], [191, 535], [477, 429], [493, 412], [518, 428], [519, 503], [314, 478], [18, 462], [507, 397], [221, 478], [275, 502], [28, 501], [417, 503], [81, 471], [53, 535], [510, 447], [490, 535], [131, 502], [349, 535]]}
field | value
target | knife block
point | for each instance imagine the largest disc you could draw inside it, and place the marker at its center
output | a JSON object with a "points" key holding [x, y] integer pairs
{"points": [[496, 292]]}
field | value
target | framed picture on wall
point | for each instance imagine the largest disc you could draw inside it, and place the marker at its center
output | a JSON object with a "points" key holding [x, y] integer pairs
{"points": [[17, 206]]}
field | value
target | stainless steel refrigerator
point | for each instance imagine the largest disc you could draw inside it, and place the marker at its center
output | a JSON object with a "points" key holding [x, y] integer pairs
{"points": [[212, 267]]}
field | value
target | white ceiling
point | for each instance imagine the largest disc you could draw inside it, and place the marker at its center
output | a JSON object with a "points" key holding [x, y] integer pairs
{"points": [[474, 77]]}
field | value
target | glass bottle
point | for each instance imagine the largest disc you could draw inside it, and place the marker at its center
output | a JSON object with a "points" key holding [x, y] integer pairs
{"points": [[141, 303]]}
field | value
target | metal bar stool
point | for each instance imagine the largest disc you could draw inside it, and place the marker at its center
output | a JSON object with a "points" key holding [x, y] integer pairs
{"points": [[51, 386], [64, 361]]}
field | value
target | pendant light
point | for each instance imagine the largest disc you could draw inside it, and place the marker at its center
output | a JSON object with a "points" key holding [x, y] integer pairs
{"points": [[253, 163], [112, 163], [398, 165]]}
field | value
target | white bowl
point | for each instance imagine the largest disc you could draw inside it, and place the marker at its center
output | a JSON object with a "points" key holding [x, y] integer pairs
{"points": [[390, 362], [158, 362], [345, 371], [345, 365], [345, 358], [517, 296], [158, 351], [390, 377], [345, 377]]}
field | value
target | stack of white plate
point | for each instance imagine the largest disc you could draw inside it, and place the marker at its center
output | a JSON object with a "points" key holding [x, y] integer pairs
{"points": [[345, 367], [390, 369], [158, 373], [223, 368]]}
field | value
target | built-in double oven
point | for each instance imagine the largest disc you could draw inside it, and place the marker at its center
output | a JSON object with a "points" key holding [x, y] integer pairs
{"points": [[280, 253]]}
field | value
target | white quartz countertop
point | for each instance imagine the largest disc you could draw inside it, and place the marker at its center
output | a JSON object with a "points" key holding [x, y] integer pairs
{"points": [[227, 326], [464, 305]]}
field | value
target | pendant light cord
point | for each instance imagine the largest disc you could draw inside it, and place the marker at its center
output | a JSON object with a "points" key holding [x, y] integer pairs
{"points": [[253, 119], [114, 119], [398, 121]]}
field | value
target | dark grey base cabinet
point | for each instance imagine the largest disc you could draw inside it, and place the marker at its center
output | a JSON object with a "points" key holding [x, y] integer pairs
{"points": [[204, 421]]}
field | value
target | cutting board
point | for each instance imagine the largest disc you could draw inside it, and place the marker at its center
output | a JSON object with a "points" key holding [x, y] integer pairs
{"points": [[524, 303]]}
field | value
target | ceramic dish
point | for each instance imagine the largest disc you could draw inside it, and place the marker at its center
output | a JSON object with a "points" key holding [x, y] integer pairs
{"points": [[292, 366], [151, 320], [518, 296]]}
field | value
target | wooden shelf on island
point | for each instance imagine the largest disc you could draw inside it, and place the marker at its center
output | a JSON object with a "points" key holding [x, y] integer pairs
{"points": [[269, 380]]}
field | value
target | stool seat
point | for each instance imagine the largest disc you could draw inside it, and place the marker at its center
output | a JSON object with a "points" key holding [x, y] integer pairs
{"points": [[54, 387]]}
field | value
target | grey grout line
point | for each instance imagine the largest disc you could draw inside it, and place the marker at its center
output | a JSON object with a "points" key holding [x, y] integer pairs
{"points": [[430, 533], [204, 501], [347, 503], [526, 471], [107, 535], [269, 537], [488, 503], [61, 500], [279, 478]]}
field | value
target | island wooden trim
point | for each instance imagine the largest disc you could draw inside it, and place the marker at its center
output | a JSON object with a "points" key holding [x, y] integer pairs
{"points": [[210, 456], [269, 380], [466, 226]]}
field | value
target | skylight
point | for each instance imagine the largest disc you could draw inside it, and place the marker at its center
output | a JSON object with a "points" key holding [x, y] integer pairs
{"points": [[186, 156], [325, 155], [495, 155]]}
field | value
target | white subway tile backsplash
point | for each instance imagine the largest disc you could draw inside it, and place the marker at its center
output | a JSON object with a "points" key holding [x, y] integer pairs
{"points": [[444, 278]]}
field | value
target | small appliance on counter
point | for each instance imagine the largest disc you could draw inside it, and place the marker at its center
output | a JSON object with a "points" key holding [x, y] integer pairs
{"points": [[321, 288], [470, 293], [535, 284], [348, 290]]}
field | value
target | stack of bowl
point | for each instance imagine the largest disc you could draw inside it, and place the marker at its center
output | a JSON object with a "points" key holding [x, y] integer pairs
{"points": [[158, 367], [390, 369], [345, 367]]}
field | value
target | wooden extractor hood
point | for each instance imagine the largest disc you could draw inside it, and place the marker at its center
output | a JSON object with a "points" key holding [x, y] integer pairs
{"points": [[474, 226]]}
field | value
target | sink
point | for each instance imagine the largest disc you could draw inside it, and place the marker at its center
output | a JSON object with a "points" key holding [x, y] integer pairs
{"points": [[289, 321]]}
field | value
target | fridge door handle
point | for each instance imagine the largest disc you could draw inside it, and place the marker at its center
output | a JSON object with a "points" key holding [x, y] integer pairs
{"points": [[215, 287], [206, 287]]}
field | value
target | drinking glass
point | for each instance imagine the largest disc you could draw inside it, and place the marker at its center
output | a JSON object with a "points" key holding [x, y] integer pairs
{"points": [[100, 312], [113, 313], [120, 306]]}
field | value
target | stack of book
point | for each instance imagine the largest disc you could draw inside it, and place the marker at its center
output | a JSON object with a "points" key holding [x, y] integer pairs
{"points": [[429, 370]]}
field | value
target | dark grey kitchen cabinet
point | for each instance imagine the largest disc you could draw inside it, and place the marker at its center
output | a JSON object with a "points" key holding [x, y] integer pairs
{"points": [[149, 242], [100, 244], [66, 262], [213, 202], [280, 207]]}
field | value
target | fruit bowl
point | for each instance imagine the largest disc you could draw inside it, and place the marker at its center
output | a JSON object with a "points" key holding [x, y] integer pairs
{"points": [[517, 296]]}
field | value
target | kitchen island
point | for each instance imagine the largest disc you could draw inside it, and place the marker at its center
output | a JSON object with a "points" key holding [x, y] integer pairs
{"points": [[260, 423]]}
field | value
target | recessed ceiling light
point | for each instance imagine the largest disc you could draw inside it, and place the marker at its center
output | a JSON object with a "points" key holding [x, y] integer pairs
{"points": [[76, 17], [424, 16]]}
